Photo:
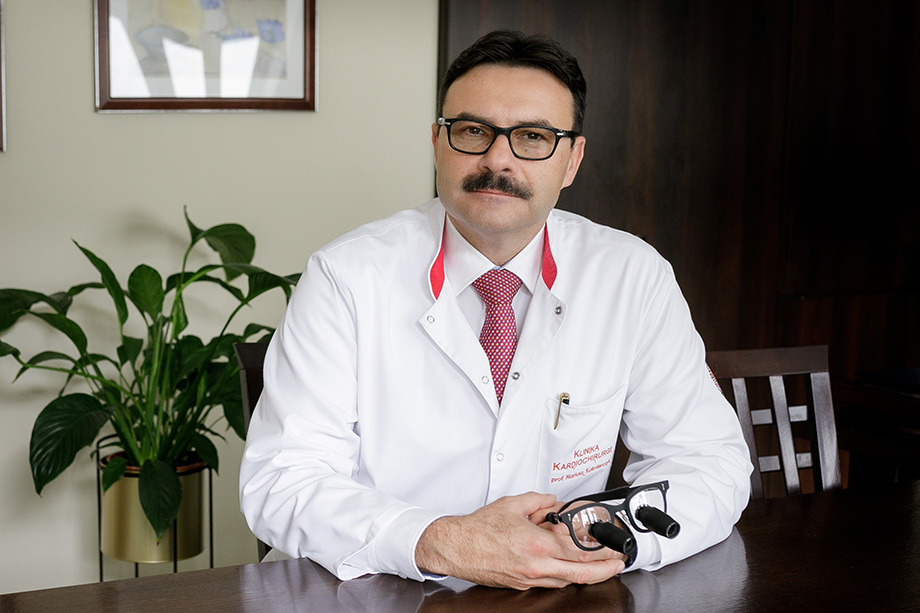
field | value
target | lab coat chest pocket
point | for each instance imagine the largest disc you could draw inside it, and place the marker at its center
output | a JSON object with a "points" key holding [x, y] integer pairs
{"points": [[577, 444]]}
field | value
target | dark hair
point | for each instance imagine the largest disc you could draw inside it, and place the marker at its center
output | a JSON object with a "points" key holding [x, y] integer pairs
{"points": [[518, 49]]}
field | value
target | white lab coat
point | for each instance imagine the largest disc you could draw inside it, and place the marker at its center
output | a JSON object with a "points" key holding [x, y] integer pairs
{"points": [[378, 414]]}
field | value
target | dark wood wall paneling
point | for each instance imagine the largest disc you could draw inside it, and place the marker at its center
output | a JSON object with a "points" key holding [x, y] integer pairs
{"points": [[851, 212], [769, 150]]}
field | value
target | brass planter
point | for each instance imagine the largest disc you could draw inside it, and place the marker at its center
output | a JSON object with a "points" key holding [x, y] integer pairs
{"points": [[127, 535]]}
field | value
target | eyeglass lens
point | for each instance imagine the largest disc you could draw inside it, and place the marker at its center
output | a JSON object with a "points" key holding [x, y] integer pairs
{"points": [[645, 498], [526, 142], [582, 521]]}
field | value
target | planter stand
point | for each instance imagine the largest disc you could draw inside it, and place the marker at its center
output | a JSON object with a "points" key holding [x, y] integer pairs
{"points": [[175, 528]]}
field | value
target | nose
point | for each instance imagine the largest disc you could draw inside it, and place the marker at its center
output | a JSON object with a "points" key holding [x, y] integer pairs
{"points": [[499, 157]]}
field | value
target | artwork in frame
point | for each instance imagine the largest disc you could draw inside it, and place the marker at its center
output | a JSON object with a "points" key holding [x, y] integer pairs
{"points": [[2, 85], [204, 55]]}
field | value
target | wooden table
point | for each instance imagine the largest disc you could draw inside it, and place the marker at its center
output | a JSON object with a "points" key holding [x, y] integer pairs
{"points": [[842, 550]]}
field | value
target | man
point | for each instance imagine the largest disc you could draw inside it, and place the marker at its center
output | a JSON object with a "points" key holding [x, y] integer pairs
{"points": [[412, 423]]}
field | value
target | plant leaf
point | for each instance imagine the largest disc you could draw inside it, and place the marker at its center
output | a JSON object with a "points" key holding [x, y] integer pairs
{"points": [[14, 303], [179, 317], [145, 288], [235, 291], [172, 281], [66, 425], [206, 449], [60, 302], [160, 493], [191, 354], [261, 281], [225, 390], [194, 230], [78, 367], [78, 289], [233, 243], [68, 326], [7, 349], [44, 356], [223, 347], [233, 412], [90, 359], [110, 282], [253, 328], [113, 471], [129, 350]]}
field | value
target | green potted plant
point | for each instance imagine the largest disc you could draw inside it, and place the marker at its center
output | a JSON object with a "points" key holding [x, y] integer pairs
{"points": [[158, 393]]}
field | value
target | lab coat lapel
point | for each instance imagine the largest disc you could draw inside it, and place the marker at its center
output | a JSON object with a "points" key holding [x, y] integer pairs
{"points": [[446, 326], [543, 321]]}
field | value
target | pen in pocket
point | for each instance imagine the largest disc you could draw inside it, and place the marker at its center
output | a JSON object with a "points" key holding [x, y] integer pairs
{"points": [[563, 399]]}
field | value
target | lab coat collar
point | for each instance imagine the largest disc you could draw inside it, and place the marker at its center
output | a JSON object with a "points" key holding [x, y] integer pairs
{"points": [[463, 263], [437, 275]]}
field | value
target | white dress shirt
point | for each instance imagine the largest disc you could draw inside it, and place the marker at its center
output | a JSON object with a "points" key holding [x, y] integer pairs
{"points": [[463, 264]]}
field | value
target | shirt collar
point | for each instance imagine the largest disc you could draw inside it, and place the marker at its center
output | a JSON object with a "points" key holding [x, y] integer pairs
{"points": [[463, 264], [460, 262]]}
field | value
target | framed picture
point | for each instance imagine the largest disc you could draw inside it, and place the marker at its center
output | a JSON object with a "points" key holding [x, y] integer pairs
{"points": [[204, 55], [2, 86]]}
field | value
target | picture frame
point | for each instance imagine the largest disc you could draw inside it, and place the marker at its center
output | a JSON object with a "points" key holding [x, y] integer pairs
{"points": [[2, 84], [205, 55]]}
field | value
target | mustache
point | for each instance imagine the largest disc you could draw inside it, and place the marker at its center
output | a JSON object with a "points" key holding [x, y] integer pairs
{"points": [[490, 181]]}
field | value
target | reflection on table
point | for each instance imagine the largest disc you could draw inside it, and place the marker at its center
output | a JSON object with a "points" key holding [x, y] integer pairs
{"points": [[839, 550]]}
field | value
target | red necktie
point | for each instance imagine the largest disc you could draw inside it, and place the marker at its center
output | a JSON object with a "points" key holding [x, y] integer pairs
{"points": [[499, 331]]}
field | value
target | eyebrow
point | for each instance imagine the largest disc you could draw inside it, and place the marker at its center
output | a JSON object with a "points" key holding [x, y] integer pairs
{"points": [[533, 122]]}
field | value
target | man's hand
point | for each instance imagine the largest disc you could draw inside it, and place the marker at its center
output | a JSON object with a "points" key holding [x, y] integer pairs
{"points": [[502, 545]]}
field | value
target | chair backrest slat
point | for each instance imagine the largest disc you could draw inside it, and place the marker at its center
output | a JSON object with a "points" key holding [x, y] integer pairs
{"points": [[784, 432], [826, 431], [747, 429]]}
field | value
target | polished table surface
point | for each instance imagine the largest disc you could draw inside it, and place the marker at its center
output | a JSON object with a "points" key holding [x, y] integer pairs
{"points": [[834, 551]]}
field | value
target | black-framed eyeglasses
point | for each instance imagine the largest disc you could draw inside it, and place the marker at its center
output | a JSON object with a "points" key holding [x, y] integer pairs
{"points": [[527, 142], [590, 519]]}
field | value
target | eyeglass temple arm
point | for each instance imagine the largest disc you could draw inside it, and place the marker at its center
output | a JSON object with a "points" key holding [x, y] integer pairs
{"points": [[623, 492], [619, 492]]}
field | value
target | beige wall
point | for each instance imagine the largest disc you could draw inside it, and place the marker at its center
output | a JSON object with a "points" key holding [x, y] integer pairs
{"points": [[117, 184]]}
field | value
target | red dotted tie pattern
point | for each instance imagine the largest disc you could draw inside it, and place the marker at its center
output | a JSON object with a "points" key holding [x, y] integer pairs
{"points": [[499, 332]]}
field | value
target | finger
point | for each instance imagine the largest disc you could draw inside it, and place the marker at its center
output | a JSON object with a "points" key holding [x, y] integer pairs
{"points": [[560, 529], [546, 569], [587, 573], [530, 503], [539, 516], [564, 548]]}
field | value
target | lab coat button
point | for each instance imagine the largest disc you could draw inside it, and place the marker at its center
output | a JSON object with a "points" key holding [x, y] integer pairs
{"points": [[485, 379], [500, 457], [431, 319], [558, 310], [515, 375]]}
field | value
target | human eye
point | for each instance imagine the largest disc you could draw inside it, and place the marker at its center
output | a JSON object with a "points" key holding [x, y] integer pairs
{"points": [[538, 135], [534, 136], [470, 129]]}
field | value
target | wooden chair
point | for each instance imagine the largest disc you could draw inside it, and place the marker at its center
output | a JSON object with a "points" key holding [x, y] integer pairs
{"points": [[250, 356], [803, 370]]}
